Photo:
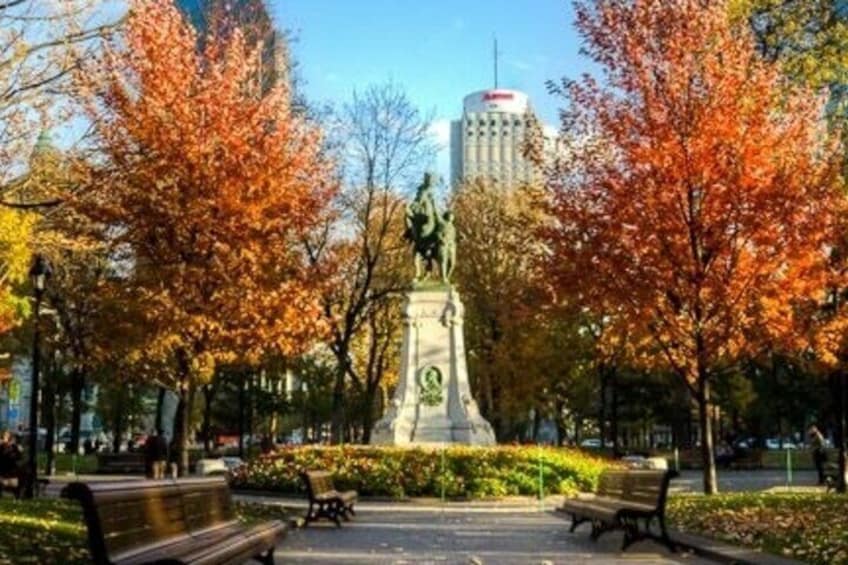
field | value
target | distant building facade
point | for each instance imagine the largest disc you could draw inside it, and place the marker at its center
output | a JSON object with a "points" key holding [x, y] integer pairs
{"points": [[488, 142], [253, 18]]}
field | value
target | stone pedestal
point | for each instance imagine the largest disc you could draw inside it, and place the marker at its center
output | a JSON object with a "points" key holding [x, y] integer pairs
{"points": [[433, 402]]}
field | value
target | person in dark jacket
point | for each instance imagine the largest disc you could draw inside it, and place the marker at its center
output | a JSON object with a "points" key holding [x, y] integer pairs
{"points": [[156, 455], [10, 456], [816, 441]]}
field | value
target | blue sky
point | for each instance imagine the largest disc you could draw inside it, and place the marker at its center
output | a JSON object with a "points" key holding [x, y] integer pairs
{"points": [[438, 50]]}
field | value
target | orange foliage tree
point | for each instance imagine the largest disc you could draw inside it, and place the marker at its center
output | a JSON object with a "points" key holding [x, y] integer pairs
{"points": [[209, 185], [699, 193]]}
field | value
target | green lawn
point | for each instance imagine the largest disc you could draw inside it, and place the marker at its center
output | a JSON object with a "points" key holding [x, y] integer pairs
{"points": [[52, 531], [41, 531], [809, 527], [66, 463]]}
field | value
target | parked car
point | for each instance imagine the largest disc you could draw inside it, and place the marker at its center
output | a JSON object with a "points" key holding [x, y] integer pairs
{"points": [[774, 443], [591, 443], [232, 463]]}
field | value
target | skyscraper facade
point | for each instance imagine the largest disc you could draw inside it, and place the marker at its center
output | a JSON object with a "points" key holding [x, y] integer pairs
{"points": [[488, 142]]}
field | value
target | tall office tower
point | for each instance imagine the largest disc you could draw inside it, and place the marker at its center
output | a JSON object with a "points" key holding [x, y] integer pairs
{"points": [[488, 142], [253, 18]]}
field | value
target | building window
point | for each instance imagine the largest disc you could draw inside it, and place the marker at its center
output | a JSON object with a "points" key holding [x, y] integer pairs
{"points": [[470, 133], [493, 123]]}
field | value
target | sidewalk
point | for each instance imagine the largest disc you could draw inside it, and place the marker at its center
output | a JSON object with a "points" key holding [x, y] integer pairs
{"points": [[507, 530], [396, 536]]}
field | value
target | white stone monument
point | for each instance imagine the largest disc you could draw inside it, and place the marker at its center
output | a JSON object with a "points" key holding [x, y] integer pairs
{"points": [[433, 402]]}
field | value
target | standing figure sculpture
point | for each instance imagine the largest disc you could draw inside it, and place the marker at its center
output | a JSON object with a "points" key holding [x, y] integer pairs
{"points": [[433, 236]]}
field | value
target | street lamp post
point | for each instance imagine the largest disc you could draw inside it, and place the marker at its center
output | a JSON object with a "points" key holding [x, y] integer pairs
{"points": [[39, 274]]}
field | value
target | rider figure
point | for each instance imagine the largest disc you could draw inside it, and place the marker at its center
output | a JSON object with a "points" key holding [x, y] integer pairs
{"points": [[421, 222]]}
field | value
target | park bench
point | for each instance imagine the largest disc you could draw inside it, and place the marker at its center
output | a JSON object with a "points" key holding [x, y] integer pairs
{"points": [[16, 485], [125, 462], [831, 477], [747, 459], [324, 500], [628, 500], [170, 521]]}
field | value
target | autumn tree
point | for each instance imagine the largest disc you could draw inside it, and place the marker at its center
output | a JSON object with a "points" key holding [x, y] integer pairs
{"points": [[39, 46], [384, 145], [810, 40], [207, 188], [505, 297], [808, 37], [702, 190]]}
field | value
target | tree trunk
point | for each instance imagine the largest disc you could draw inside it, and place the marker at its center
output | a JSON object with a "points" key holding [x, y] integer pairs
{"points": [[613, 374], [77, 387], [562, 432], [368, 412], [840, 386], [190, 423], [208, 396], [118, 422], [578, 430], [160, 408], [242, 393], [707, 459], [49, 411], [179, 451], [602, 416], [338, 419], [537, 424], [251, 398]]}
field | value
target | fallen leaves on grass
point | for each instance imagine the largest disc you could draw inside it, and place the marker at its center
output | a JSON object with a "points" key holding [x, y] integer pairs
{"points": [[41, 531], [810, 527]]}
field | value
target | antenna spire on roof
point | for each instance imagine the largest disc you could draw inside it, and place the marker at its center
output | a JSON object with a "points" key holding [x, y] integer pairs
{"points": [[496, 53]]}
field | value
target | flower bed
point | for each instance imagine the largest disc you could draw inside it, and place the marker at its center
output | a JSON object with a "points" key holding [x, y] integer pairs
{"points": [[810, 527], [472, 472]]}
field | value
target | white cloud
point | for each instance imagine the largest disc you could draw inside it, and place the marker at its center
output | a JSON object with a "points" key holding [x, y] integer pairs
{"points": [[440, 130], [518, 64]]}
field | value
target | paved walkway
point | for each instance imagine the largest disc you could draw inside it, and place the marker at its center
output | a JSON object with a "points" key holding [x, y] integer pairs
{"points": [[738, 481], [462, 537]]}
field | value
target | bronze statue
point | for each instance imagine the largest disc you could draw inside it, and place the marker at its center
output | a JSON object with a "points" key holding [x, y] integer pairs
{"points": [[433, 236]]}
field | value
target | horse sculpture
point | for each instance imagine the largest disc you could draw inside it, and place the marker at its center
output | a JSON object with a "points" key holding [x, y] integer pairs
{"points": [[433, 236]]}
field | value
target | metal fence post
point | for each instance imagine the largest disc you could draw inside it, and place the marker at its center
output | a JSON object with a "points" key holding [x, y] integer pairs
{"points": [[788, 469], [541, 483]]}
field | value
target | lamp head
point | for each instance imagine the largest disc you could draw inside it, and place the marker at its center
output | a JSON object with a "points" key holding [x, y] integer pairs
{"points": [[40, 272]]}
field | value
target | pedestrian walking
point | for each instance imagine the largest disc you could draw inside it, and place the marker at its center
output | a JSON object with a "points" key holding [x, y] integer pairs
{"points": [[156, 455], [816, 441]]}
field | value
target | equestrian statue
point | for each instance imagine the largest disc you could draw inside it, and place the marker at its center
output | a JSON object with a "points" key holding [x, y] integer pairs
{"points": [[433, 236]]}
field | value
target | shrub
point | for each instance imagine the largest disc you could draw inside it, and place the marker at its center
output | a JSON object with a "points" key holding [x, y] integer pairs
{"points": [[471, 472]]}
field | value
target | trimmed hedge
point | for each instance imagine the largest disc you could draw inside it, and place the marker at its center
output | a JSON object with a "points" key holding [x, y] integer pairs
{"points": [[471, 472]]}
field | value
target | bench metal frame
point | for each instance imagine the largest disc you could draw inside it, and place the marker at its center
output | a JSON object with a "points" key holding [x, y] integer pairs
{"points": [[324, 500], [637, 524]]}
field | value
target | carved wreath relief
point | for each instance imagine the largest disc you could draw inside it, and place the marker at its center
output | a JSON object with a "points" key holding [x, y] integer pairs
{"points": [[430, 383]]}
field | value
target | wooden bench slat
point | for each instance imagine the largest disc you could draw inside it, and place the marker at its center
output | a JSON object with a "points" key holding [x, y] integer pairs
{"points": [[185, 521], [625, 499]]}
